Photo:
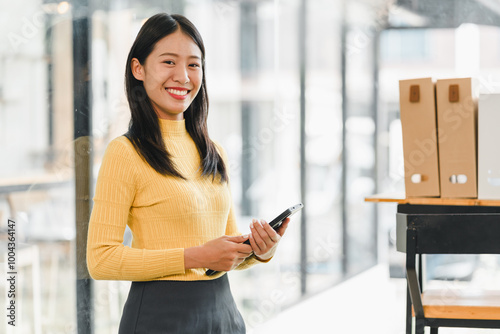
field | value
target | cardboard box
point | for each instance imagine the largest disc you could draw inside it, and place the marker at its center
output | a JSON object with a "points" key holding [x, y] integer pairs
{"points": [[420, 150], [488, 174], [457, 124]]}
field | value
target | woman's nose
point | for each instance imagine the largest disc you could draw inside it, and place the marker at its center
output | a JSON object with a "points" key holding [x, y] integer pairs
{"points": [[181, 75]]}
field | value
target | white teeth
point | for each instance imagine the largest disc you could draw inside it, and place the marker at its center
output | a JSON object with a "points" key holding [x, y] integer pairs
{"points": [[177, 92]]}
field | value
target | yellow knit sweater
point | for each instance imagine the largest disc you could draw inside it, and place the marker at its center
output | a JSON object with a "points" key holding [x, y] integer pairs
{"points": [[165, 214]]}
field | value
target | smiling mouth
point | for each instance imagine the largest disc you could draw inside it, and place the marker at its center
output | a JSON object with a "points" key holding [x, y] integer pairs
{"points": [[177, 92]]}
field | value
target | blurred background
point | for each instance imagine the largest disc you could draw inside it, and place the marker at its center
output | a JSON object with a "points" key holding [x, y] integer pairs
{"points": [[304, 96]]}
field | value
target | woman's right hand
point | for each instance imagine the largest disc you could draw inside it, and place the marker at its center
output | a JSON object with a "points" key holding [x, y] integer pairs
{"points": [[221, 254]]}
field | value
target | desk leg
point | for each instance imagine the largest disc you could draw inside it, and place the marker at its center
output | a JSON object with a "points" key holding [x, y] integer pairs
{"points": [[419, 326], [408, 311], [420, 271]]}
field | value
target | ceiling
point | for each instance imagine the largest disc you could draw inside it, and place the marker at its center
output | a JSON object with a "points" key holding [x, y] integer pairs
{"points": [[443, 13]]}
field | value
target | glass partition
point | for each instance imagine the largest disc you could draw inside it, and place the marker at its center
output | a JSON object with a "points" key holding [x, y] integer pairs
{"points": [[275, 70]]}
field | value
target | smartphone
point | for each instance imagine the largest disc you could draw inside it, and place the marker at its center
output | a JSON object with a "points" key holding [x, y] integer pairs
{"points": [[275, 224]]}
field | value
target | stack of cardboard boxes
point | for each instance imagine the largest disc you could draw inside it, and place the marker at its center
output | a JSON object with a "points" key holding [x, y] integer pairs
{"points": [[451, 142]]}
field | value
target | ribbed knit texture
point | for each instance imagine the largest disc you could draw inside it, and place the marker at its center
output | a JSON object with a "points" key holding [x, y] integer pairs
{"points": [[165, 214]]}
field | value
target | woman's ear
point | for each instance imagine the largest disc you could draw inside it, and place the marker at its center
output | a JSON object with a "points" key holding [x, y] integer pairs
{"points": [[137, 69]]}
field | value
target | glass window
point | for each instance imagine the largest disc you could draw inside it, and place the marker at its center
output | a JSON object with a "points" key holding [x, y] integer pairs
{"points": [[404, 45], [254, 80]]}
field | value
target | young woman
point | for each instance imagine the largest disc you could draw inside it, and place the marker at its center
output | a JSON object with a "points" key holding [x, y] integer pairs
{"points": [[168, 182]]}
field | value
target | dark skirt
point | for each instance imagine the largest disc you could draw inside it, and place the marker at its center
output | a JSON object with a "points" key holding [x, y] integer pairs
{"points": [[181, 307]]}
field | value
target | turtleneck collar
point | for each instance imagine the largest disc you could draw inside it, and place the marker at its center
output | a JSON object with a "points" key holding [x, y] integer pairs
{"points": [[172, 129]]}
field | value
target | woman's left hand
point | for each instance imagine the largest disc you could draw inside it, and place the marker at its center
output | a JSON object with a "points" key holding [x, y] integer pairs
{"points": [[264, 239]]}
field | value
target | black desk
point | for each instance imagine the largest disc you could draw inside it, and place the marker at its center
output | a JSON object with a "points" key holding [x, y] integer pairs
{"points": [[442, 226]]}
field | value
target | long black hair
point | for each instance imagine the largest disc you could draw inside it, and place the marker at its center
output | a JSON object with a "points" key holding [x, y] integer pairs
{"points": [[144, 129]]}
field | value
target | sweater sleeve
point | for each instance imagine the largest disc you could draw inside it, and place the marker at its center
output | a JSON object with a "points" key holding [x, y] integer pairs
{"points": [[107, 257], [232, 229]]}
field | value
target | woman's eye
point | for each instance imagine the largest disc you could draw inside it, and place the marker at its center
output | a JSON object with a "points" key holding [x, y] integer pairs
{"points": [[169, 62], [194, 65]]}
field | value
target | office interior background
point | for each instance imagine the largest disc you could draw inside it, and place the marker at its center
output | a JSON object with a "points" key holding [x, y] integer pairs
{"points": [[303, 95]]}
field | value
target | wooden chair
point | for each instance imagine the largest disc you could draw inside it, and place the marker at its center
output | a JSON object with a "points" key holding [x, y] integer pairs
{"points": [[477, 233]]}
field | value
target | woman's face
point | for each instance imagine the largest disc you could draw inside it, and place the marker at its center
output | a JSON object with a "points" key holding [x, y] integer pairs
{"points": [[171, 74]]}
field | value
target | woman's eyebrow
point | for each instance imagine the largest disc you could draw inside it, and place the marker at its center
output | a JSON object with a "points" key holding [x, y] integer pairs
{"points": [[176, 55]]}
